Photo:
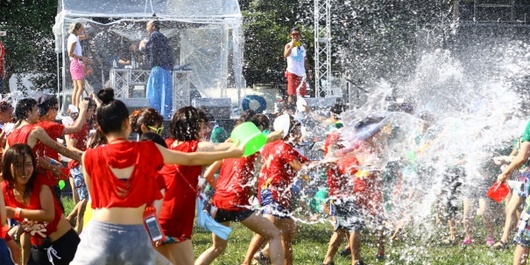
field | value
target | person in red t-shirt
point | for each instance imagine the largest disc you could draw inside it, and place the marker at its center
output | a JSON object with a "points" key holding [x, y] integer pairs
{"points": [[31, 203], [48, 106], [280, 164], [233, 190], [121, 179], [178, 207]]}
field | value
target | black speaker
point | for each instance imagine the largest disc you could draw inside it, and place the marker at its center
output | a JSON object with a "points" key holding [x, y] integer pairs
{"points": [[135, 103], [220, 108]]}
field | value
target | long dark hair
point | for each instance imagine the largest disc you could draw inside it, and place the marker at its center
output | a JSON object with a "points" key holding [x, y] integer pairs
{"points": [[185, 124], [111, 114], [16, 156]]}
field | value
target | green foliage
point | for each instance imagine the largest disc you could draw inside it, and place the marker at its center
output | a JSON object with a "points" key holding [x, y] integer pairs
{"points": [[29, 42]]}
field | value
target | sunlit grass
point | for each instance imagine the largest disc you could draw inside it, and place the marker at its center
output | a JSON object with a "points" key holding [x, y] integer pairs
{"points": [[311, 243]]}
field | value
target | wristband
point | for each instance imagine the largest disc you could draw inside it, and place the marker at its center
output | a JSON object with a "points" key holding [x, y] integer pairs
{"points": [[17, 213]]}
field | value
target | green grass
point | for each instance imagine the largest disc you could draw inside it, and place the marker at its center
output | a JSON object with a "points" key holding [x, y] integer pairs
{"points": [[311, 242]]}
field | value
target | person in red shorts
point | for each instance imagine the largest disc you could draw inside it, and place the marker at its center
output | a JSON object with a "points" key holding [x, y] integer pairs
{"points": [[178, 207], [297, 64]]}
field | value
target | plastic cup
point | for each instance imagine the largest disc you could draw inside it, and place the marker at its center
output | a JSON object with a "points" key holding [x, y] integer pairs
{"points": [[498, 191], [249, 136]]}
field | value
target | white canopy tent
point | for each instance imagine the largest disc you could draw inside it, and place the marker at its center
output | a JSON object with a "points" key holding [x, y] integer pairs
{"points": [[206, 36]]}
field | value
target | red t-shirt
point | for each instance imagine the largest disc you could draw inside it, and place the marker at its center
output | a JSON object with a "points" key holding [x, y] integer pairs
{"points": [[20, 135], [38, 230], [233, 189], [140, 188], [276, 173], [81, 136], [178, 208], [54, 130]]}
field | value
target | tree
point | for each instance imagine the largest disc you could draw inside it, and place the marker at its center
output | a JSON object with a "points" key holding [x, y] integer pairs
{"points": [[29, 42]]}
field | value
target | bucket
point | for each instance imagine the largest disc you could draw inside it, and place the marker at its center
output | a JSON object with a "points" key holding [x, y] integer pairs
{"points": [[283, 123], [498, 191], [250, 136]]}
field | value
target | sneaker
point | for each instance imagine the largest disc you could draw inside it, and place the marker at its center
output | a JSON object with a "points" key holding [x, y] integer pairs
{"points": [[345, 252], [500, 245], [489, 241], [467, 241], [262, 259]]}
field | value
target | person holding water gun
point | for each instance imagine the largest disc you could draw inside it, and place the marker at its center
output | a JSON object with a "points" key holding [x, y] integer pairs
{"points": [[297, 64]]}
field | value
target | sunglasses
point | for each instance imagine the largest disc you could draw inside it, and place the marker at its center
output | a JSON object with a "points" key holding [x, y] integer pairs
{"points": [[295, 34], [155, 129]]}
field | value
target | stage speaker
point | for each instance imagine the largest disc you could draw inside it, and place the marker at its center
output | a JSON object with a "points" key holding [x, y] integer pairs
{"points": [[135, 103], [220, 108]]}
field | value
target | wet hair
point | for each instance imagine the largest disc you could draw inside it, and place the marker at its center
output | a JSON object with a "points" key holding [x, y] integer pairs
{"points": [[185, 124], [261, 120], [74, 27], [292, 124], [245, 116], [145, 116], [24, 106], [337, 109], [5, 105], [16, 155], [45, 103], [205, 115], [96, 139], [111, 114], [151, 136]]}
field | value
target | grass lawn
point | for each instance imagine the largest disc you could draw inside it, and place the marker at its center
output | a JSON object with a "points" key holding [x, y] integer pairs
{"points": [[311, 244]]}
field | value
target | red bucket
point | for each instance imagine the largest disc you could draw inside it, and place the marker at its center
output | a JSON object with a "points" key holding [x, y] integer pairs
{"points": [[498, 191]]}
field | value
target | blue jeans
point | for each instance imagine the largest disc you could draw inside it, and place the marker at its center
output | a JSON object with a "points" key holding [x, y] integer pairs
{"points": [[159, 91]]}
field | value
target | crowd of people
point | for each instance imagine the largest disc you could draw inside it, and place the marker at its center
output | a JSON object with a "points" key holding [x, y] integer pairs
{"points": [[142, 188]]}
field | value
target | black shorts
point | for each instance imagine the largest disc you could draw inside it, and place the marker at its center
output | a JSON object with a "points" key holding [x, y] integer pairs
{"points": [[62, 252], [232, 216]]}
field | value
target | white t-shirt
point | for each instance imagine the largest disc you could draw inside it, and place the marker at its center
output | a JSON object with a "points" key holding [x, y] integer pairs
{"points": [[77, 50], [295, 61]]}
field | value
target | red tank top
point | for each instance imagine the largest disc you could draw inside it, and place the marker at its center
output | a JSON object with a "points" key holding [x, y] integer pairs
{"points": [[108, 191], [37, 230]]}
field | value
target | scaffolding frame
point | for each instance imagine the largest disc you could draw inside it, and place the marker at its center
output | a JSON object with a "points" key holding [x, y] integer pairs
{"points": [[322, 38]]}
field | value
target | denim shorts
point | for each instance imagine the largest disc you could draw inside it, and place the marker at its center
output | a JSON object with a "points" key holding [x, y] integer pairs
{"points": [[271, 206], [347, 214], [107, 243]]}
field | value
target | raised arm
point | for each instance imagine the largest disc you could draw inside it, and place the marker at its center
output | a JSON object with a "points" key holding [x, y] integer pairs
{"points": [[41, 135], [517, 162], [80, 121], [198, 158]]}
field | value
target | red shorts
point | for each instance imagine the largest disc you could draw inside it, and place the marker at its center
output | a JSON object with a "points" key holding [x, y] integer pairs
{"points": [[293, 81]]}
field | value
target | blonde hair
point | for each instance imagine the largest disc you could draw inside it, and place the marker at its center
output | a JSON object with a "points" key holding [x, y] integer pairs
{"points": [[74, 27]]}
